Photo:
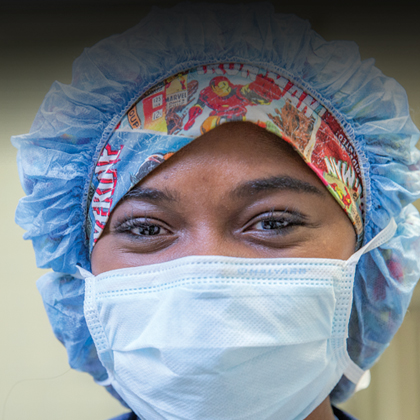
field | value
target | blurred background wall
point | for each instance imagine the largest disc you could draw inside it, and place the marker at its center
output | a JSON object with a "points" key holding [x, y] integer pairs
{"points": [[38, 43]]}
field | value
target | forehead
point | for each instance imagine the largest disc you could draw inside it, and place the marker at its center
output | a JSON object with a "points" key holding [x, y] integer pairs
{"points": [[234, 160], [244, 142]]}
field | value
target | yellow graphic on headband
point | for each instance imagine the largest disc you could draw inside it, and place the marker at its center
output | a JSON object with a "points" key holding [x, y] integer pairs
{"points": [[176, 88], [133, 118]]}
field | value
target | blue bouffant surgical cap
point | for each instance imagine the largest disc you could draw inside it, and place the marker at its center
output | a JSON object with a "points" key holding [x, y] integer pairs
{"points": [[58, 157]]}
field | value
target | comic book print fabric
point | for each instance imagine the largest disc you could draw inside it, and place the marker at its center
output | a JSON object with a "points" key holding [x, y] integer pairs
{"points": [[189, 104]]}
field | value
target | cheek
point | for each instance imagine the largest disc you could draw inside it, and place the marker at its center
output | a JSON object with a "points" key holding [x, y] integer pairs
{"points": [[98, 259], [105, 257], [339, 242], [108, 254]]}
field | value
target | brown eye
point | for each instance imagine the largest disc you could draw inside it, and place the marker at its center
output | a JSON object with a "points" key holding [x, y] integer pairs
{"points": [[141, 227], [147, 230], [272, 224], [276, 222]]}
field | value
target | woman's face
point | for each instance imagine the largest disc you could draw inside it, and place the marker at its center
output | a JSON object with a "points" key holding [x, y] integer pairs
{"points": [[236, 191]]}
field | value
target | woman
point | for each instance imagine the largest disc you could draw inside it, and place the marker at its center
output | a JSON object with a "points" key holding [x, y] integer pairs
{"points": [[219, 275]]}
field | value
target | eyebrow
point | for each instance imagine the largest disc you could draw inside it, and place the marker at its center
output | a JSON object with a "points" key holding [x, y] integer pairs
{"points": [[257, 186], [150, 194], [246, 189]]}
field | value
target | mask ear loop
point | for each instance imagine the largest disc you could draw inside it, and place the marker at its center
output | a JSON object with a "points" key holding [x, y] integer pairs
{"points": [[353, 372], [82, 273], [382, 237]]}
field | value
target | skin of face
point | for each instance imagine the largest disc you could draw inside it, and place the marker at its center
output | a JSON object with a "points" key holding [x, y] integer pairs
{"points": [[236, 191]]}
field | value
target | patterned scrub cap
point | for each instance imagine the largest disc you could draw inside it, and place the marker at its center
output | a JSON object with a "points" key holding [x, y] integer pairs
{"points": [[191, 103], [76, 160]]}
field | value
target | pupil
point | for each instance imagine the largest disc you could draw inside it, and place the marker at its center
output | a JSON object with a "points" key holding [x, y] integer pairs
{"points": [[150, 230], [271, 224]]}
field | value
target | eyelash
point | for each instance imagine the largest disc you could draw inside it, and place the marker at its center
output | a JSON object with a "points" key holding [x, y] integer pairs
{"points": [[284, 220], [129, 224], [287, 220]]}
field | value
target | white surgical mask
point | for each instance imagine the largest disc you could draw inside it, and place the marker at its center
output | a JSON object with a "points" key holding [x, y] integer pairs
{"points": [[222, 338]]}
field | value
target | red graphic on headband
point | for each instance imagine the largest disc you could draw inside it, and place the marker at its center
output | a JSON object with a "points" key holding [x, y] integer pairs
{"points": [[228, 101], [102, 199]]}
